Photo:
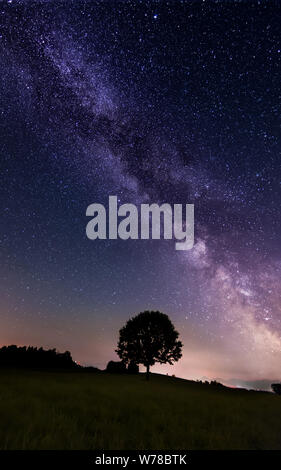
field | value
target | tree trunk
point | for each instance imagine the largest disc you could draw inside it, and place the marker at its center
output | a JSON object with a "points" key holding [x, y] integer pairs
{"points": [[147, 372]]}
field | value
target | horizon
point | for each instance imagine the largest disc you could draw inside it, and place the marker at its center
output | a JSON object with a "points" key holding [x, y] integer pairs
{"points": [[259, 384]]}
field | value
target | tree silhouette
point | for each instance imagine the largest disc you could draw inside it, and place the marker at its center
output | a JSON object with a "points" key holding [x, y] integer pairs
{"points": [[276, 388], [32, 357], [147, 338]]}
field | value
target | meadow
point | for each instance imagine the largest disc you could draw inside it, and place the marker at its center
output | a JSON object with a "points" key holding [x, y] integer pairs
{"points": [[70, 410]]}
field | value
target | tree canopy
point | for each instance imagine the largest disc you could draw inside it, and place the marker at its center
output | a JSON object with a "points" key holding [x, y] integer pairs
{"points": [[147, 338]]}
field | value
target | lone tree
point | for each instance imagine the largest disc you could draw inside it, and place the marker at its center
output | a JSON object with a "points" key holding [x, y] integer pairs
{"points": [[147, 338]]}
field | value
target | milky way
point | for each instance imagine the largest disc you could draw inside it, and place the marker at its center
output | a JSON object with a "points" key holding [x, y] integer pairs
{"points": [[175, 102]]}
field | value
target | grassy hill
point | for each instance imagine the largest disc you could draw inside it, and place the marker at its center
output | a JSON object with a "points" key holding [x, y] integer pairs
{"points": [[68, 410]]}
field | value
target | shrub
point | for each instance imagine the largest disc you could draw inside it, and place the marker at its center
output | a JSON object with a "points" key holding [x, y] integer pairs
{"points": [[116, 367], [276, 388]]}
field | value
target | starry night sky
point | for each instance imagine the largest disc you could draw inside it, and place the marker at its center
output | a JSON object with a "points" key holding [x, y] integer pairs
{"points": [[176, 102]]}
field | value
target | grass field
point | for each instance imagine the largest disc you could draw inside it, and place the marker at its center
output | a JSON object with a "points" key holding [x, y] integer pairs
{"points": [[42, 410]]}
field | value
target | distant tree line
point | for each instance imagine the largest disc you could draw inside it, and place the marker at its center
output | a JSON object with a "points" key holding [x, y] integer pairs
{"points": [[32, 357], [213, 383]]}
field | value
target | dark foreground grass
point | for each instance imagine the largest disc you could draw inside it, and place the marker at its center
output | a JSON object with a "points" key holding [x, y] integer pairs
{"points": [[63, 410]]}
